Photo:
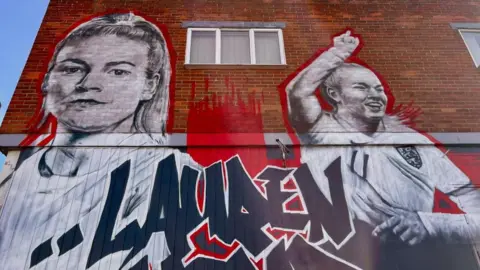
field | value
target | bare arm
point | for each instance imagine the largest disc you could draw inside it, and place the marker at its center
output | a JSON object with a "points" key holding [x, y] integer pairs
{"points": [[303, 106]]}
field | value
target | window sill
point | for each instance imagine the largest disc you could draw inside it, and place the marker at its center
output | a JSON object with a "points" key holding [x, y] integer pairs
{"points": [[233, 66]]}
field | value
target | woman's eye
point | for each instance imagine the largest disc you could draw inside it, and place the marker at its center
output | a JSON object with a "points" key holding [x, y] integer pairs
{"points": [[119, 72], [71, 70]]}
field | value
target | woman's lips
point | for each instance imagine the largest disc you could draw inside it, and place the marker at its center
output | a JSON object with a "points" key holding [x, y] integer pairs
{"points": [[82, 103], [374, 106], [86, 102]]}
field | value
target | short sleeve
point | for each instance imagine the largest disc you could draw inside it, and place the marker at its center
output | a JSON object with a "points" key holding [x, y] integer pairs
{"points": [[443, 173]]}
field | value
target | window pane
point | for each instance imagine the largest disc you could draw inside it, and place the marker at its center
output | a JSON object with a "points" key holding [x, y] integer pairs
{"points": [[472, 39], [267, 49], [235, 47], [202, 47]]}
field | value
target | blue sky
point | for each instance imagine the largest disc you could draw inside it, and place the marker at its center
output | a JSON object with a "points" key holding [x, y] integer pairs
{"points": [[19, 25]]}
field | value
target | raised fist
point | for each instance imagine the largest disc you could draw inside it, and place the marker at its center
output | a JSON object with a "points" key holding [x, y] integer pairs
{"points": [[346, 43]]}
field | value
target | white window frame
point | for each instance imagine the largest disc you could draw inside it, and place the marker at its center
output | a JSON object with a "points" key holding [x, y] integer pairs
{"points": [[463, 30], [218, 44]]}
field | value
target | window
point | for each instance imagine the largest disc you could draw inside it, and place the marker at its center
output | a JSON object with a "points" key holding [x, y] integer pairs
{"points": [[471, 38], [235, 46]]}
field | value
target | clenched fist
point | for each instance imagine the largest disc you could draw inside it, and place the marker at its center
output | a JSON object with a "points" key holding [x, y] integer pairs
{"points": [[345, 43]]}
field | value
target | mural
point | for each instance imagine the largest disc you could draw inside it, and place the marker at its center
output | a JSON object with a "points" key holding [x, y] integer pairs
{"points": [[398, 196], [391, 173], [376, 195]]}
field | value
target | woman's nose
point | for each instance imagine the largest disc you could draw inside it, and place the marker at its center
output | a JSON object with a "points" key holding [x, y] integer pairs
{"points": [[91, 82], [374, 92]]}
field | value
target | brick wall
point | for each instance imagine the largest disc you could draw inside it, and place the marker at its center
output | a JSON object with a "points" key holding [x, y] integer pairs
{"points": [[410, 43]]}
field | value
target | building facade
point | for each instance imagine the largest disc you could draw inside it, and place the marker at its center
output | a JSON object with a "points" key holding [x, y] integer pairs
{"points": [[245, 135]]}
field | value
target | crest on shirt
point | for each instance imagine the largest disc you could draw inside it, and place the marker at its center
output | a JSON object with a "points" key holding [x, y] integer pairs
{"points": [[411, 155]]}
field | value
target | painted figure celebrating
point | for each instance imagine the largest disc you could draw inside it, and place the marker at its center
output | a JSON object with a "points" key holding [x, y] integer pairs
{"points": [[107, 84], [390, 171]]}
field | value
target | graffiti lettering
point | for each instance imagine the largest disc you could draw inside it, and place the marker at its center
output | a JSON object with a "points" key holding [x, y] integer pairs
{"points": [[238, 218]]}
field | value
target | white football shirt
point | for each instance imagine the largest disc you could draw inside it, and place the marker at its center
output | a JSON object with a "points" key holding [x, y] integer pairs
{"points": [[40, 207], [385, 174]]}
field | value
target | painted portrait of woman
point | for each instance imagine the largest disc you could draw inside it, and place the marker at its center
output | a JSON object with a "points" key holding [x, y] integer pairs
{"points": [[107, 83]]}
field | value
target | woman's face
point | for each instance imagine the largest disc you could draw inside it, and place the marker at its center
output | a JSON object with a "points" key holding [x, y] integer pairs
{"points": [[362, 95], [98, 82]]}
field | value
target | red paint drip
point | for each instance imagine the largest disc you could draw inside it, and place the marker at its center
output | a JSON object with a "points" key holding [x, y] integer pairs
{"points": [[228, 113], [219, 128], [407, 113], [35, 133], [226, 121]]}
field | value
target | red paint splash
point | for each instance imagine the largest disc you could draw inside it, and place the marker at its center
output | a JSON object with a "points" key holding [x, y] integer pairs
{"points": [[225, 113], [49, 127], [229, 123], [221, 127], [407, 113]]}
